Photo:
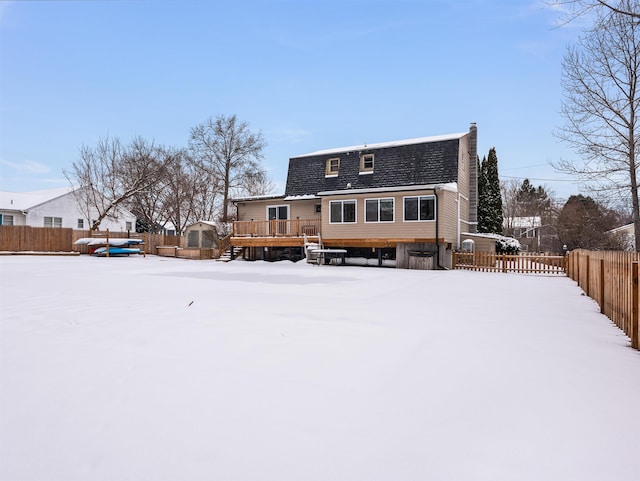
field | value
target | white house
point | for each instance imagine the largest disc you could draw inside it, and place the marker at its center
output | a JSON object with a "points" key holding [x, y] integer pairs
{"points": [[626, 234], [55, 208]]}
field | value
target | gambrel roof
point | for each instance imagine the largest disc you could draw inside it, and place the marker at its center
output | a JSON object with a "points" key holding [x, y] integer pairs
{"points": [[421, 161]]}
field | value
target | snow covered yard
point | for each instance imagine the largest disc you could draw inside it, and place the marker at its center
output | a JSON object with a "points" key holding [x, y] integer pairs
{"points": [[168, 369]]}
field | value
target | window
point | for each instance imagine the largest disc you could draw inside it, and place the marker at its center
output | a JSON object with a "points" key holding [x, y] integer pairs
{"points": [[419, 208], [366, 163], [342, 211], [468, 245], [193, 238], [277, 212], [53, 221], [80, 223], [379, 210], [333, 165], [6, 219]]}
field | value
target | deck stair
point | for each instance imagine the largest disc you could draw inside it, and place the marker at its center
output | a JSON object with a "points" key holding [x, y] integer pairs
{"points": [[226, 256]]}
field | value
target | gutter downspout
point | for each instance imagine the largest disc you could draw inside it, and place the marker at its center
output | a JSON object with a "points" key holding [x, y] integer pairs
{"points": [[435, 192]]}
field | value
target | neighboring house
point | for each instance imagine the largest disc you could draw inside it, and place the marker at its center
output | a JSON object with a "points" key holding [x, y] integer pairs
{"points": [[626, 235], [527, 230], [54, 208], [389, 201]]}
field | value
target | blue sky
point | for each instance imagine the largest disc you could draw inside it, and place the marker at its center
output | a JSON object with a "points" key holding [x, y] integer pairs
{"points": [[308, 74]]}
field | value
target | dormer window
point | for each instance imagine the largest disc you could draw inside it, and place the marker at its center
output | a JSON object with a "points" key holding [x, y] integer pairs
{"points": [[366, 163], [333, 165]]}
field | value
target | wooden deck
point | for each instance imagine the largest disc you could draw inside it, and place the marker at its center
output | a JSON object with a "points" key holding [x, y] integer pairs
{"points": [[276, 228]]}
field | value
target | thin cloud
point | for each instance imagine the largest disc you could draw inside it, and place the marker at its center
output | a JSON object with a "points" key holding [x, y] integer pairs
{"points": [[4, 8], [26, 167], [289, 135]]}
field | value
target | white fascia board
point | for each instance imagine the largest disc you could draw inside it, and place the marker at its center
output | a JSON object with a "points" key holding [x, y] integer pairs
{"points": [[451, 186]]}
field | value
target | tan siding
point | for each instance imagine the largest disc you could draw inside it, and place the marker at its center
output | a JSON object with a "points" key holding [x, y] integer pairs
{"points": [[257, 209], [448, 216], [447, 212], [464, 166], [464, 171]]}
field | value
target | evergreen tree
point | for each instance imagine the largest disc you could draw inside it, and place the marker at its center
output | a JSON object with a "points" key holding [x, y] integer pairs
{"points": [[532, 201], [489, 196]]}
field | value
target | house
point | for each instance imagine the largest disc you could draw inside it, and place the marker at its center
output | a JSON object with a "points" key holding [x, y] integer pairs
{"points": [[527, 230], [55, 208], [393, 202], [626, 235]]}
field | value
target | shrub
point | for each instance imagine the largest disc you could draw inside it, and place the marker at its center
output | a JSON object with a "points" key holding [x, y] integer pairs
{"points": [[507, 245]]}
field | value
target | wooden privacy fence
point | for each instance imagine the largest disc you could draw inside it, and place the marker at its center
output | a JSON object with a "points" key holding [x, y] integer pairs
{"points": [[23, 238], [611, 279], [521, 263]]}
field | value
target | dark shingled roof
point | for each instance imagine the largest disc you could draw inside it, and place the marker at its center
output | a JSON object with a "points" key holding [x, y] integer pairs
{"points": [[396, 164]]}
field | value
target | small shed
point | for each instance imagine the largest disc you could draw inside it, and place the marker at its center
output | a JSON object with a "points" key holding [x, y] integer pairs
{"points": [[478, 242], [200, 235]]}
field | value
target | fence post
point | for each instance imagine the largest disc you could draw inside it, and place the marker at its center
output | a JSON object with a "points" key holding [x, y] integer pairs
{"points": [[602, 286], [634, 310], [588, 267]]}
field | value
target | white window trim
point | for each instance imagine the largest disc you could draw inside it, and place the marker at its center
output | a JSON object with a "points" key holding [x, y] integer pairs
{"points": [[53, 221], [355, 201], [378, 199], [266, 212], [435, 208]]}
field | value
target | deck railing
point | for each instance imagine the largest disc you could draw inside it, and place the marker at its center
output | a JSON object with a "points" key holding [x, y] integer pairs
{"points": [[522, 263], [276, 228]]}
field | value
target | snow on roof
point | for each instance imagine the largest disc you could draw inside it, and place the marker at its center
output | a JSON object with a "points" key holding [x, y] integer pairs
{"points": [[301, 197], [26, 200], [627, 228], [383, 145], [206, 222], [257, 197], [524, 222]]}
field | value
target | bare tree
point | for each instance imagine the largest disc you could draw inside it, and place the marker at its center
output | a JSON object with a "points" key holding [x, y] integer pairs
{"points": [[152, 206], [226, 149], [191, 194], [601, 108], [108, 175], [510, 205], [578, 8]]}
